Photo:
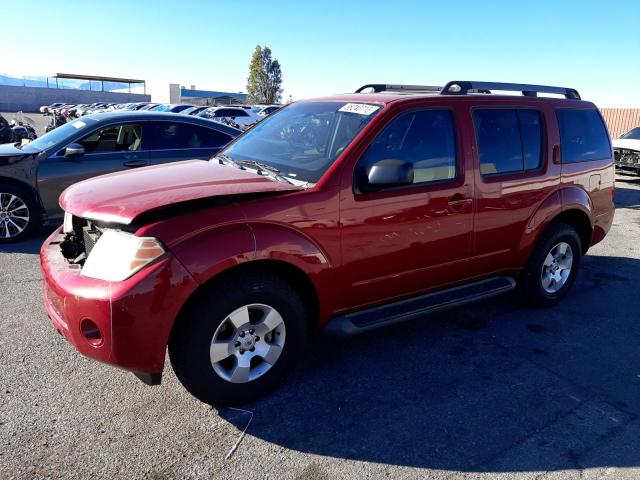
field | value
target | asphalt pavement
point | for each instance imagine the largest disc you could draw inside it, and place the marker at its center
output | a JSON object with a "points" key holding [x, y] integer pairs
{"points": [[492, 390]]}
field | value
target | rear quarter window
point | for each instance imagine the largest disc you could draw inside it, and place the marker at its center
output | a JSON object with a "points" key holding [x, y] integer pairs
{"points": [[583, 135]]}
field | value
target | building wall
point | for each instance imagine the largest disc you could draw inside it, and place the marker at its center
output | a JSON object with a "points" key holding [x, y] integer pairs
{"points": [[29, 99], [621, 120], [174, 93]]}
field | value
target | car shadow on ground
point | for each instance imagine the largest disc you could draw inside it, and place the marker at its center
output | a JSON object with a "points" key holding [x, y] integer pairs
{"points": [[627, 197], [30, 245], [490, 387]]}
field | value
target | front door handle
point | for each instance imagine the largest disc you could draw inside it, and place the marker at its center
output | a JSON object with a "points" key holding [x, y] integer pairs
{"points": [[135, 163]]}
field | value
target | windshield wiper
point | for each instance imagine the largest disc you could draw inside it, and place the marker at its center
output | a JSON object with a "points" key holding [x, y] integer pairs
{"points": [[259, 165], [227, 160], [263, 168]]}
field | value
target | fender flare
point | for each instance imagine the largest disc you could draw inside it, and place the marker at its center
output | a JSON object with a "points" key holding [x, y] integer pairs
{"points": [[562, 200], [576, 198], [285, 244], [225, 246]]}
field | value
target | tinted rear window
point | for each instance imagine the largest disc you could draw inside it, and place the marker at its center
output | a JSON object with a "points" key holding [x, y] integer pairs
{"points": [[170, 135], [583, 136]]}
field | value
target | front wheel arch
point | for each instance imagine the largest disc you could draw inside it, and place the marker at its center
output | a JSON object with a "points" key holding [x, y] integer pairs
{"points": [[292, 274]]}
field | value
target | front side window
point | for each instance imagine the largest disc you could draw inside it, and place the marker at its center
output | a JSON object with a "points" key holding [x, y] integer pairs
{"points": [[114, 138], [304, 139], [583, 135], [425, 139], [509, 140]]}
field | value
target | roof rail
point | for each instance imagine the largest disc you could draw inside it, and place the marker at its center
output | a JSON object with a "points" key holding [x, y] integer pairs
{"points": [[382, 87], [464, 87]]}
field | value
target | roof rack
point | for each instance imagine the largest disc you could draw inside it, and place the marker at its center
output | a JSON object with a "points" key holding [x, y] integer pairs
{"points": [[382, 87], [464, 87]]}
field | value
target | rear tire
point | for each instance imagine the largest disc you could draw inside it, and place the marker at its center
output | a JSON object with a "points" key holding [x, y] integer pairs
{"points": [[19, 213], [238, 339], [553, 266]]}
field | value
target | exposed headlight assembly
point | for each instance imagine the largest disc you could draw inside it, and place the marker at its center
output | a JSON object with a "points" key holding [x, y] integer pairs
{"points": [[118, 255]]}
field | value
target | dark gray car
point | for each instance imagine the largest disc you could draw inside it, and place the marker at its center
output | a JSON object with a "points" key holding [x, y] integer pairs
{"points": [[33, 176]]}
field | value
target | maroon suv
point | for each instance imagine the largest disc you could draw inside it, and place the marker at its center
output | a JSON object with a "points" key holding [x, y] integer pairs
{"points": [[344, 213]]}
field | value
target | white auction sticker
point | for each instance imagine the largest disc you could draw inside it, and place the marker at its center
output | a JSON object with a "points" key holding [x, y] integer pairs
{"points": [[361, 108], [79, 124]]}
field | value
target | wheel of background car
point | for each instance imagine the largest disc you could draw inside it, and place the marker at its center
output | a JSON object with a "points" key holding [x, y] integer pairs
{"points": [[19, 215], [237, 339], [553, 265]]}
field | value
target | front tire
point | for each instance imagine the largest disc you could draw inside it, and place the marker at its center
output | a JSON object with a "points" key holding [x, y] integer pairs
{"points": [[553, 266], [238, 339], [19, 214]]}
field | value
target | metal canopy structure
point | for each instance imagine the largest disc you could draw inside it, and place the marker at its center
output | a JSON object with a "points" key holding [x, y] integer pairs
{"points": [[95, 78]]}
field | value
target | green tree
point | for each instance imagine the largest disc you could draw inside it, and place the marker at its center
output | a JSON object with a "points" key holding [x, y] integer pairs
{"points": [[265, 77]]}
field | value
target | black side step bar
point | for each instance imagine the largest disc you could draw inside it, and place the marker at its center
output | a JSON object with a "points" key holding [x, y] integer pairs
{"points": [[376, 317]]}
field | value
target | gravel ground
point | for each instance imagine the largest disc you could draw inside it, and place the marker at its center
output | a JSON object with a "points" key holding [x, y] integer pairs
{"points": [[489, 391]]}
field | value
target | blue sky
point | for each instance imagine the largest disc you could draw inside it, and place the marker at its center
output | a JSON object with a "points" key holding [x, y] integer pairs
{"points": [[331, 46]]}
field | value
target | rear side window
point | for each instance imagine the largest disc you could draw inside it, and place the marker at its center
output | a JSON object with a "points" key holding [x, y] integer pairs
{"points": [[425, 139], [583, 136], [169, 135], [509, 140]]}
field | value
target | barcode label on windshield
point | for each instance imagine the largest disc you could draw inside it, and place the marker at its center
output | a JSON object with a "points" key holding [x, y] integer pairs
{"points": [[79, 124], [360, 108]]}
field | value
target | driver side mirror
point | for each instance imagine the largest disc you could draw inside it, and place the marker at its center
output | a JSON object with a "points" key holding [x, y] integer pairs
{"points": [[389, 173], [73, 150]]}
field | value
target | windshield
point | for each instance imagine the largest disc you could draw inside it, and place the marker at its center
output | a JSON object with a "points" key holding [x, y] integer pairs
{"points": [[303, 140], [633, 134], [58, 135]]}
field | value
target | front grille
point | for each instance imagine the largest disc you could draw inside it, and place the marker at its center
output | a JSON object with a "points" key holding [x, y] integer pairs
{"points": [[78, 244], [89, 238], [626, 156]]}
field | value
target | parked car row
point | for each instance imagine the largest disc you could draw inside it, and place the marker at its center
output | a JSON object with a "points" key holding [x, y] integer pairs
{"points": [[33, 175], [345, 213], [238, 116]]}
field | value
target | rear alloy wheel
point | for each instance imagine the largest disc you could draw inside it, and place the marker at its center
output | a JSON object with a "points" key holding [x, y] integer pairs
{"points": [[557, 267], [238, 338], [553, 265], [17, 214]]}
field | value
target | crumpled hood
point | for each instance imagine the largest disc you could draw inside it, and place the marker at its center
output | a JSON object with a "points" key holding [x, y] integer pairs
{"points": [[122, 196], [628, 143]]}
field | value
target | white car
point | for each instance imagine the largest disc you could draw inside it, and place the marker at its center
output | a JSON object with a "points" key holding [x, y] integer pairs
{"points": [[626, 151], [243, 117], [265, 110], [46, 108]]}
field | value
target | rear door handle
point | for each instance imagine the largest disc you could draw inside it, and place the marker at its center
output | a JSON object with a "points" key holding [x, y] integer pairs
{"points": [[458, 201], [135, 163]]}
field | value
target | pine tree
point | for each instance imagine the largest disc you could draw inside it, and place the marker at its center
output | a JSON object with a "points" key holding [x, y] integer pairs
{"points": [[265, 77]]}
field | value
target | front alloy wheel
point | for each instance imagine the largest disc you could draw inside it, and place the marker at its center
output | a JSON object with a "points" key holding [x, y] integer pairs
{"points": [[238, 337], [247, 343], [19, 213], [14, 215]]}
